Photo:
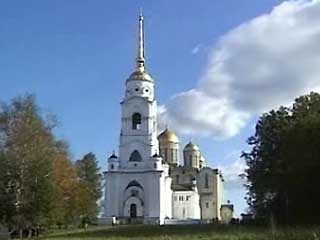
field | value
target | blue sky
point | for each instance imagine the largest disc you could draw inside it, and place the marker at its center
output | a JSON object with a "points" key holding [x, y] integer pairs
{"points": [[76, 55]]}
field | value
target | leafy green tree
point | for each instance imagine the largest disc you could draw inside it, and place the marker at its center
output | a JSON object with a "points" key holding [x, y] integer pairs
{"points": [[27, 146], [283, 163], [7, 196], [90, 179]]}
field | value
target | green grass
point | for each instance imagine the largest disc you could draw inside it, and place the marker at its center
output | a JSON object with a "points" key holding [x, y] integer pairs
{"points": [[202, 232]]}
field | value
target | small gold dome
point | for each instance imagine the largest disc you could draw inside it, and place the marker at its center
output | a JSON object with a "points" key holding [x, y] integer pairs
{"points": [[168, 136], [140, 75], [191, 147]]}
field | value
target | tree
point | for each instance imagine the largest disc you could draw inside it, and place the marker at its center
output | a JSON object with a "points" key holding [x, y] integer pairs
{"points": [[283, 163], [64, 205], [90, 180], [27, 148], [7, 197], [39, 184]]}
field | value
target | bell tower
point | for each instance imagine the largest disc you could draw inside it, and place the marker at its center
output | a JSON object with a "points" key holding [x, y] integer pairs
{"points": [[138, 185], [138, 137]]}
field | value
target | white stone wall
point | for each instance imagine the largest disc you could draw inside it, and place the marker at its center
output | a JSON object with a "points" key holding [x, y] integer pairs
{"points": [[207, 190], [211, 195], [139, 88], [226, 215], [219, 193], [143, 139], [153, 195], [166, 195], [186, 205]]}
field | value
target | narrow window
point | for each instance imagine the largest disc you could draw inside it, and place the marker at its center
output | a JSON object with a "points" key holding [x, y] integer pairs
{"points": [[176, 157], [136, 121], [177, 179], [206, 181], [166, 154], [172, 156], [207, 205], [112, 167], [135, 156]]}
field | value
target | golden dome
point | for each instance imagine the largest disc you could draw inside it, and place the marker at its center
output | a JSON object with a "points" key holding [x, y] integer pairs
{"points": [[168, 136], [191, 147], [140, 76]]}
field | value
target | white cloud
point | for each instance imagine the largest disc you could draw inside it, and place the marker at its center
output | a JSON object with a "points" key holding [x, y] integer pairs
{"points": [[232, 171], [195, 112], [259, 65]]}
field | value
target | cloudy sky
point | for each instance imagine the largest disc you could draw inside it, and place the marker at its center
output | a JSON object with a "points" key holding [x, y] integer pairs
{"points": [[218, 65]]}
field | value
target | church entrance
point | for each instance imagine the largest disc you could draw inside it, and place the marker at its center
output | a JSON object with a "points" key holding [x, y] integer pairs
{"points": [[133, 203], [133, 210]]}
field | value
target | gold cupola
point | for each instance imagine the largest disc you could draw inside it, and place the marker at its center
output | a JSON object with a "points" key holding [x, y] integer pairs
{"points": [[169, 147], [168, 136]]}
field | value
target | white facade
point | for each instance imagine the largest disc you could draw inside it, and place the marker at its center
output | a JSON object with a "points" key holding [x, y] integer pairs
{"points": [[226, 213], [142, 186], [209, 184], [186, 204], [138, 185]]}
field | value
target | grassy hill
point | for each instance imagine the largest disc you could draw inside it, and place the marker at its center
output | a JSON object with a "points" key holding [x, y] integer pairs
{"points": [[203, 232]]}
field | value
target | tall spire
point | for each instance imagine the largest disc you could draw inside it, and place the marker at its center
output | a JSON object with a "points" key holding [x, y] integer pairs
{"points": [[140, 61]]}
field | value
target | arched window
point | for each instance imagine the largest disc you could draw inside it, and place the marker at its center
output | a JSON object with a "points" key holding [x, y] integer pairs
{"points": [[206, 181], [176, 155], [177, 179], [136, 121], [172, 155], [135, 156], [166, 154], [134, 183], [190, 160]]}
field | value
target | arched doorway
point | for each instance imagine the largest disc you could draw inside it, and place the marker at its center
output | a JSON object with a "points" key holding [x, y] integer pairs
{"points": [[133, 205], [133, 210]]}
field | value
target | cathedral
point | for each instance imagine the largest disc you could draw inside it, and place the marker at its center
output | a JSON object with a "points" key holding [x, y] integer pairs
{"points": [[146, 182]]}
